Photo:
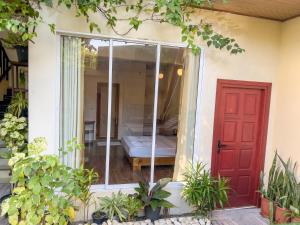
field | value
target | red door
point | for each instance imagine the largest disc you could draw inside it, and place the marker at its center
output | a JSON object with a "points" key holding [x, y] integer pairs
{"points": [[239, 137]]}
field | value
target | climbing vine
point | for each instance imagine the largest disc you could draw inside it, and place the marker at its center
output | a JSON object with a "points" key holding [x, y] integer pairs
{"points": [[21, 17]]}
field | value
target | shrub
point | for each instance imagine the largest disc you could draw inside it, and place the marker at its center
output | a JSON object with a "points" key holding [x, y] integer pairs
{"points": [[36, 179], [202, 191], [13, 132]]}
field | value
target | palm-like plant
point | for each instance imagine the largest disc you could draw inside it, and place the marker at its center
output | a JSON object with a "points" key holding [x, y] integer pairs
{"points": [[18, 104], [202, 191]]}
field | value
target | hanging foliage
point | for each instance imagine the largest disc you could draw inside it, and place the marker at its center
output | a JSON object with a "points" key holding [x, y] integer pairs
{"points": [[21, 17]]}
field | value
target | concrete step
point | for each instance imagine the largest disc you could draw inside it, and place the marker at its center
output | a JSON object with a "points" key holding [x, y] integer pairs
{"points": [[4, 164], [2, 145], [5, 177]]}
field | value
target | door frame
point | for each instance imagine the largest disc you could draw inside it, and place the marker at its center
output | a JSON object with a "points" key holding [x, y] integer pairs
{"points": [[98, 109], [264, 121]]}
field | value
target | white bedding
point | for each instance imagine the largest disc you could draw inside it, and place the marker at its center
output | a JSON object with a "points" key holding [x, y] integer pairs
{"points": [[140, 146]]}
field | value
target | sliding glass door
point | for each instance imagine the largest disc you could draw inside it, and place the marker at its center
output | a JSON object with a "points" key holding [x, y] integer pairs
{"points": [[138, 109]]}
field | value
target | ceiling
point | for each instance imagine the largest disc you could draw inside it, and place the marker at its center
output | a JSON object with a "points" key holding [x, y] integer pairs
{"points": [[280, 10]]}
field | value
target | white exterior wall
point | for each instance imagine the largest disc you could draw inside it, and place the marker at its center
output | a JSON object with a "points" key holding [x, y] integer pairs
{"points": [[260, 62], [287, 113]]}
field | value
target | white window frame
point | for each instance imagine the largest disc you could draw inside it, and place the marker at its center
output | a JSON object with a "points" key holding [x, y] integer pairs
{"points": [[158, 44]]}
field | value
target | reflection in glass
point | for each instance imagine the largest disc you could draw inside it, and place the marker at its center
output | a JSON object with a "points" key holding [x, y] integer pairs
{"points": [[96, 60], [85, 101], [177, 97], [133, 78]]}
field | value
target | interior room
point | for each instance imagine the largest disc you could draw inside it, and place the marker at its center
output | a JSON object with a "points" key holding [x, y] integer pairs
{"points": [[132, 108]]}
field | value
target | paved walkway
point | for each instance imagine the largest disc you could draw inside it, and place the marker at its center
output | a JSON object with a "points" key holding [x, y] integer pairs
{"points": [[244, 216]]}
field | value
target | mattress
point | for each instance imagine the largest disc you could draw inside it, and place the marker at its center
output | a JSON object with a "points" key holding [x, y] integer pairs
{"points": [[141, 146]]}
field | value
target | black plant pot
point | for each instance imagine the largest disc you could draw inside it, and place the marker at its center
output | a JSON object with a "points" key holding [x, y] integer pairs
{"points": [[22, 53], [99, 219], [152, 214]]}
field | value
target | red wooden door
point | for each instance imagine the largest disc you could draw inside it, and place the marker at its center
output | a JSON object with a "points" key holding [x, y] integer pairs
{"points": [[238, 138]]}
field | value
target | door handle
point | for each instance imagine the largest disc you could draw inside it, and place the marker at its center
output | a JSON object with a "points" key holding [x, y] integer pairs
{"points": [[220, 146]]}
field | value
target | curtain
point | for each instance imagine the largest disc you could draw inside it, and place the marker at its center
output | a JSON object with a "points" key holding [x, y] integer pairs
{"points": [[187, 114], [71, 104]]}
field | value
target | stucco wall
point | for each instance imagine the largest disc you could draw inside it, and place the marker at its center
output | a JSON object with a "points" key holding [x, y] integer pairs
{"points": [[287, 113], [260, 62]]}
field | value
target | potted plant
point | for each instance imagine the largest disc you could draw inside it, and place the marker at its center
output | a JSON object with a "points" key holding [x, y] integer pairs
{"points": [[153, 199], [99, 217], [113, 207], [202, 191], [19, 105], [295, 213], [295, 206], [133, 206], [268, 195], [14, 40], [285, 190]]}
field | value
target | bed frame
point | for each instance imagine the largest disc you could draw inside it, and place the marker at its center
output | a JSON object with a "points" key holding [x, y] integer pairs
{"points": [[137, 163]]}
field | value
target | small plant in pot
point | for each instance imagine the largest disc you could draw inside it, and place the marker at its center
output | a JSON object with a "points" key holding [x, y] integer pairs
{"points": [[153, 199], [295, 214], [295, 206], [268, 194], [15, 40], [133, 206], [113, 207], [285, 190], [99, 217]]}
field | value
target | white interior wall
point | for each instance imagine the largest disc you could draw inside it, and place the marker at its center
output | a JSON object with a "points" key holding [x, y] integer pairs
{"points": [[131, 78]]}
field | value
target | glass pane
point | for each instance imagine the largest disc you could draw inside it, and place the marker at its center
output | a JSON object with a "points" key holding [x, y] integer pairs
{"points": [[96, 64], [177, 97], [132, 112]]}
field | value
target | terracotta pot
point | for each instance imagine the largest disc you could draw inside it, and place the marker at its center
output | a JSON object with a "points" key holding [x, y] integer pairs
{"points": [[282, 215], [265, 207], [296, 219]]}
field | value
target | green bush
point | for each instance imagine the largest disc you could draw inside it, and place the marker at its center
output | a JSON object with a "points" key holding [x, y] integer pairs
{"points": [[13, 132], [43, 188], [202, 191]]}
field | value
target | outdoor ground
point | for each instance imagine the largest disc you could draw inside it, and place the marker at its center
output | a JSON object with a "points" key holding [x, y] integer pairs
{"points": [[245, 216]]}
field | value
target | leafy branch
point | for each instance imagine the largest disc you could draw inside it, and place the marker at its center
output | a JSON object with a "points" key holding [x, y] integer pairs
{"points": [[21, 17]]}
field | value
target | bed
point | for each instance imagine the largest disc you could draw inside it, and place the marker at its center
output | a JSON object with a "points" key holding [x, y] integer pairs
{"points": [[139, 150]]}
